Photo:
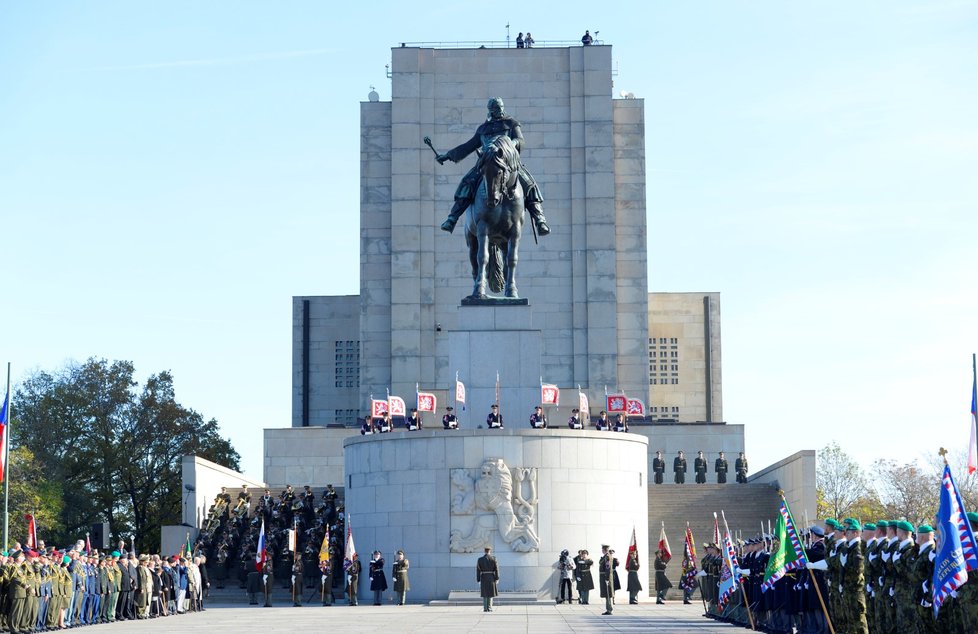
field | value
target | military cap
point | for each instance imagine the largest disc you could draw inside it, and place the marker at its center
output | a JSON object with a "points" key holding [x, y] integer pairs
{"points": [[882, 524], [575, 411], [707, 545], [15, 553], [869, 526], [449, 408], [925, 528], [818, 530], [116, 554], [66, 559], [904, 525], [852, 524], [973, 517], [144, 557], [831, 522]]}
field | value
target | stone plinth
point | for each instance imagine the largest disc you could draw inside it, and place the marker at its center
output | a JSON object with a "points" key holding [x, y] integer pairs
{"points": [[581, 488]]}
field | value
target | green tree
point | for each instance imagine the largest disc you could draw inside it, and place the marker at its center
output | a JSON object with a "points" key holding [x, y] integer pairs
{"points": [[31, 491], [840, 482], [116, 447]]}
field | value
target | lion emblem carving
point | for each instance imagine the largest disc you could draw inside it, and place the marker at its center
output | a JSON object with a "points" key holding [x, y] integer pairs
{"points": [[496, 497]]}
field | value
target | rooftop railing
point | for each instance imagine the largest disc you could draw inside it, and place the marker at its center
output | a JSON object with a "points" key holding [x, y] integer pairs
{"points": [[497, 44]]}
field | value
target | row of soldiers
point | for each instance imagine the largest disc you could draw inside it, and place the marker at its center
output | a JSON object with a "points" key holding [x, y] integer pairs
{"points": [[871, 578], [679, 466], [48, 590]]}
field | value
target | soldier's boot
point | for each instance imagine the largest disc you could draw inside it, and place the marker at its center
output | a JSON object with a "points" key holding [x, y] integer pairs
{"points": [[536, 213], [458, 209]]}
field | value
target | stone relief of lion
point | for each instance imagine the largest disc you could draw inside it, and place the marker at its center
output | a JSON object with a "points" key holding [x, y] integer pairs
{"points": [[498, 491]]}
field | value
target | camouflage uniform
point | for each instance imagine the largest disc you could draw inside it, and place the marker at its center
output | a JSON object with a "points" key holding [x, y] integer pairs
{"points": [[886, 610], [903, 589], [871, 572], [922, 575]]}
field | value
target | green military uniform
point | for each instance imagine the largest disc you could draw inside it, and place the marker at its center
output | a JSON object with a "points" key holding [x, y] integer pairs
{"points": [[886, 615], [21, 587], [905, 606], [833, 576], [853, 581], [921, 580], [870, 574]]}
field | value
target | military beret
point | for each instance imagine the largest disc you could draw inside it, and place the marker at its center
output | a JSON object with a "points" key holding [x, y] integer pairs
{"points": [[882, 524], [66, 559], [818, 530], [831, 522], [116, 554], [4, 553], [869, 526], [853, 524], [973, 517], [904, 525], [925, 528]]}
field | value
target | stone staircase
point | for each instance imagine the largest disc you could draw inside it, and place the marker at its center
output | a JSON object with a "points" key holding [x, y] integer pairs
{"points": [[745, 506]]}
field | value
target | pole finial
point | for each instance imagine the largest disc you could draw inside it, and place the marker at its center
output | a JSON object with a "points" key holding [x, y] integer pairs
{"points": [[943, 454]]}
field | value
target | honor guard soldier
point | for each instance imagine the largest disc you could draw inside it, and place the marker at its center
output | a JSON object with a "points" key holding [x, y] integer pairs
{"points": [[699, 466], [487, 576], [367, 428], [538, 420], [574, 422], [449, 421], [494, 420], [679, 468], [413, 422], [658, 467], [853, 580], [602, 424], [384, 424], [741, 466], [720, 467], [922, 576], [621, 424]]}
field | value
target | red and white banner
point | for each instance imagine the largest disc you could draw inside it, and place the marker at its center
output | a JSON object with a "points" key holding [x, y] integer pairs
{"points": [[4, 420], [459, 392], [261, 554], [31, 532], [549, 394], [426, 402], [634, 407], [664, 544], [616, 403], [583, 404], [633, 546], [377, 408], [396, 407]]}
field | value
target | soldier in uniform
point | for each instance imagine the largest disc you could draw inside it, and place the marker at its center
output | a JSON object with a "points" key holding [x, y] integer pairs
{"points": [[662, 583], [608, 577], [741, 466], [538, 420], [853, 580], [621, 424], [922, 575], [353, 579], [887, 611], [497, 123], [634, 585], [494, 420], [244, 501], [574, 422], [875, 557], [582, 574], [378, 580], [602, 424], [699, 466], [413, 422], [815, 553], [903, 590], [870, 546], [679, 468], [448, 420], [658, 467], [384, 424], [965, 606], [487, 575], [720, 468], [400, 576], [326, 581]]}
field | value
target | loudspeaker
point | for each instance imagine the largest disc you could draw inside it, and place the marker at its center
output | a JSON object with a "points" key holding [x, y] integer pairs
{"points": [[100, 536]]}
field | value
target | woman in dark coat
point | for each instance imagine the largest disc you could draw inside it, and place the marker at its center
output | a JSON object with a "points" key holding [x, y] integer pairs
{"points": [[634, 585], [378, 580], [662, 583], [585, 582]]}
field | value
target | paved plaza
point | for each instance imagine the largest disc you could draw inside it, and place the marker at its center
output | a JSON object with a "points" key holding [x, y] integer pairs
{"points": [[538, 619]]}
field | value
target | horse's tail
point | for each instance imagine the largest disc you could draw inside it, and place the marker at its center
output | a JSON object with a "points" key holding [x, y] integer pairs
{"points": [[494, 269]]}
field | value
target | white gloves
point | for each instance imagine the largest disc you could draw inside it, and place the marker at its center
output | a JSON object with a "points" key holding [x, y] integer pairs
{"points": [[923, 587], [880, 580], [840, 588], [926, 603], [932, 555], [701, 573], [869, 589], [954, 593], [293, 579], [744, 573], [817, 565]]}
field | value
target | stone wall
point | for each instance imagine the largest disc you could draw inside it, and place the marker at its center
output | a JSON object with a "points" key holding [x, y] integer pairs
{"points": [[795, 475], [305, 455], [206, 479]]}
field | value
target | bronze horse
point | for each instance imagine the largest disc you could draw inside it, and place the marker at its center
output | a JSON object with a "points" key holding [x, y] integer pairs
{"points": [[495, 220]]}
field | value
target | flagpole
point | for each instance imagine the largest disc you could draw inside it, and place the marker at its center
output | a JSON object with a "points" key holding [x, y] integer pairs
{"points": [[692, 547], [740, 581], [811, 573], [6, 463], [974, 396]]}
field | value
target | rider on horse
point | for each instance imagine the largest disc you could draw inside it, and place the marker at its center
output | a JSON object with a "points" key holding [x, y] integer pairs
{"points": [[497, 123]]}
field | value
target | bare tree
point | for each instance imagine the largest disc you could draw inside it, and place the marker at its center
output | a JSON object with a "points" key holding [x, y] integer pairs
{"points": [[840, 482], [907, 491]]}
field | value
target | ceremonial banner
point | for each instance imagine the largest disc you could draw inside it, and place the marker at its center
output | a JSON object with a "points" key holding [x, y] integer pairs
{"points": [[664, 544], [616, 403], [549, 394], [292, 532], [973, 447], [957, 553], [350, 551], [396, 407], [324, 549], [377, 408], [459, 393], [583, 404], [31, 532], [260, 553], [633, 545], [688, 580], [634, 407], [790, 554], [3, 435], [426, 402]]}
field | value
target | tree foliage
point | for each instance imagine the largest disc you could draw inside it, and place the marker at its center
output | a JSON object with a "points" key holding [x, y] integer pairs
{"points": [[32, 491], [907, 491], [840, 482], [114, 446]]}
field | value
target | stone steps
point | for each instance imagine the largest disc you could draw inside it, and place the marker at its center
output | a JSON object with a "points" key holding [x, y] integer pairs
{"points": [[745, 506]]}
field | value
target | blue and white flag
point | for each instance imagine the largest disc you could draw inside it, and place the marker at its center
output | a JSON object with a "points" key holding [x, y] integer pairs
{"points": [[957, 553], [729, 571]]}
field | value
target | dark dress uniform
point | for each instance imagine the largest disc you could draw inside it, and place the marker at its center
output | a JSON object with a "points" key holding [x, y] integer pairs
{"points": [[378, 580], [741, 466], [679, 469], [658, 468], [662, 583], [720, 467], [538, 421], [487, 575], [634, 585], [494, 421], [699, 466], [402, 584], [449, 421], [582, 574], [353, 573], [608, 575]]}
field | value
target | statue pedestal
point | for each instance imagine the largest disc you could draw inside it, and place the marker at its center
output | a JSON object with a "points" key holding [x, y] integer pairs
{"points": [[491, 339], [495, 301]]}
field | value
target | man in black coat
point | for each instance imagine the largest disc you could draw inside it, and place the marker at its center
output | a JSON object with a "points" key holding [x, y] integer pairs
{"points": [[699, 466], [679, 467], [720, 467], [741, 466], [487, 575], [658, 467], [608, 576]]}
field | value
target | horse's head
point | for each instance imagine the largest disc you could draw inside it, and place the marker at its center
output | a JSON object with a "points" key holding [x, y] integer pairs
{"points": [[500, 162]]}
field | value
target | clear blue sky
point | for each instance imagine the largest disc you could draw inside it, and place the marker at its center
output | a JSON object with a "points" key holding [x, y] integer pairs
{"points": [[171, 174]]}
